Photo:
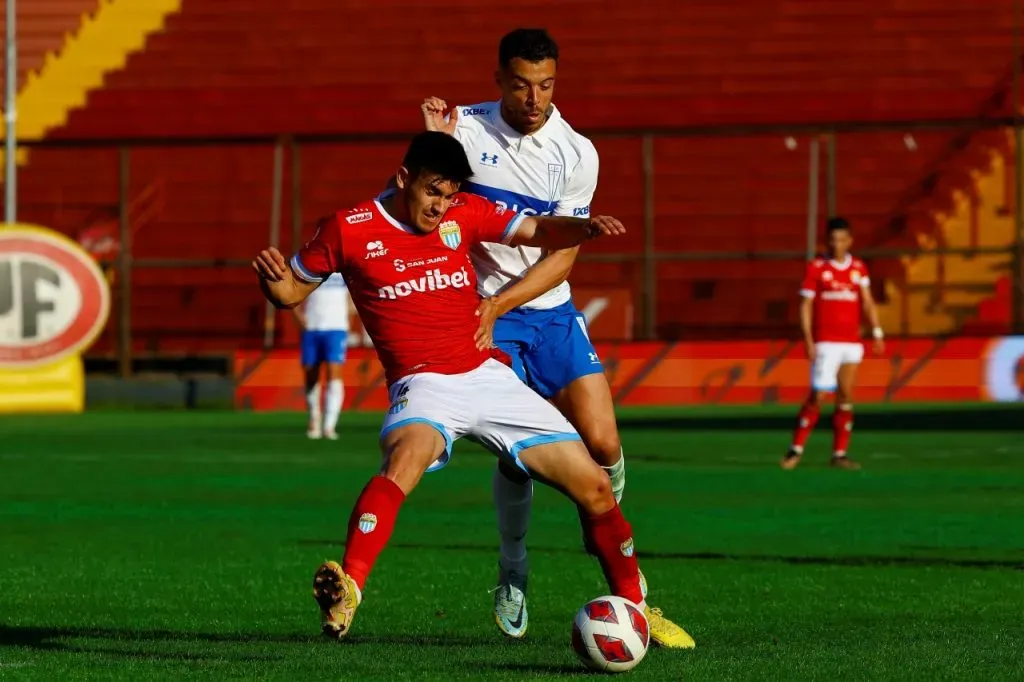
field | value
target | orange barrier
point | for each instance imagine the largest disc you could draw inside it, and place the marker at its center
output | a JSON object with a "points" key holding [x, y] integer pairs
{"points": [[918, 370]]}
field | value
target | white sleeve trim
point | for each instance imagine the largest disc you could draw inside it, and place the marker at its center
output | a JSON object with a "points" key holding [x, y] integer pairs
{"points": [[512, 228], [302, 273], [865, 282], [807, 293]]}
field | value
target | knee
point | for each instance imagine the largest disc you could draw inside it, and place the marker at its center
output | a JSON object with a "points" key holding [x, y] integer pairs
{"points": [[604, 445], [814, 399], [594, 494]]}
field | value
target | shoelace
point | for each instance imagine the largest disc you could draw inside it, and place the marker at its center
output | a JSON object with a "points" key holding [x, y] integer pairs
{"points": [[507, 606]]}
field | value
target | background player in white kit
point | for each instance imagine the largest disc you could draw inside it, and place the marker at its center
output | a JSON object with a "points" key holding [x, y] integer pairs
{"points": [[323, 320], [527, 158]]}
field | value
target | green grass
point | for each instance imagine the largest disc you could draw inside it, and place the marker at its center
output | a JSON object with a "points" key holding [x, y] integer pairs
{"points": [[164, 545]]}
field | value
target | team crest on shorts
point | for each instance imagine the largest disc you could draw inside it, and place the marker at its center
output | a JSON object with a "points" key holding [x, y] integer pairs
{"points": [[367, 522], [398, 405], [627, 547], [451, 234]]}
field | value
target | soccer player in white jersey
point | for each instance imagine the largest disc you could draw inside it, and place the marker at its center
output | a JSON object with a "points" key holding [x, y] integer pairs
{"points": [[323, 320], [527, 158]]}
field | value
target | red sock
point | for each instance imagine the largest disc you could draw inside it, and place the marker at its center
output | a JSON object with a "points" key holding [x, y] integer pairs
{"points": [[370, 526], [805, 423], [610, 537], [842, 428]]}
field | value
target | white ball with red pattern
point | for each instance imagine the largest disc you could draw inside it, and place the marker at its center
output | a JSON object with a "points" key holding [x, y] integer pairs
{"points": [[610, 634]]}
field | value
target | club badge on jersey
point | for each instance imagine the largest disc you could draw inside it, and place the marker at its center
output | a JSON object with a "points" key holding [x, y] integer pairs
{"points": [[451, 234]]}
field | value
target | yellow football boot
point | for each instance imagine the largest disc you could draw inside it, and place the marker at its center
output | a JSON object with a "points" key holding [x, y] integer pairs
{"points": [[338, 597], [664, 632]]}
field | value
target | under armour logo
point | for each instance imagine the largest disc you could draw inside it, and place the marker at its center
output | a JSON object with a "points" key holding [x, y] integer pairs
{"points": [[593, 357], [489, 159]]}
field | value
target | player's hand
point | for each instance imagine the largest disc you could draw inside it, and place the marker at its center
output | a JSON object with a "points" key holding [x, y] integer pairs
{"points": [[878, 347], [433, 109], [812, 352], [271, 265], [605, 226], [487, 311]]}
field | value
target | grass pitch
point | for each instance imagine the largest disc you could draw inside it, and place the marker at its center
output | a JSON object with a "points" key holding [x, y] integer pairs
{"points": [[166, 545]]}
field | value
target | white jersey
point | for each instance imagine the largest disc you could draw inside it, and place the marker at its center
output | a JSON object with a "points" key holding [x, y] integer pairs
{"points": [[552, 172], [326, 309]]}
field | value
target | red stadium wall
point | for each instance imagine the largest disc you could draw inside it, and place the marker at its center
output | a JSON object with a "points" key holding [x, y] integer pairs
{"points": [[646, 374], [235, 67]]}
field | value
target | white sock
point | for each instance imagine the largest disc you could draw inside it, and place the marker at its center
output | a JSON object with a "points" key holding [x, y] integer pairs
{"points": [[313, 402], [617, 472], [512, 498], [335, 397]]}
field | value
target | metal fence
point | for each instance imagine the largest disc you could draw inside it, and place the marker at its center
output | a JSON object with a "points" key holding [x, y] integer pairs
{"points": [[658, 180]]}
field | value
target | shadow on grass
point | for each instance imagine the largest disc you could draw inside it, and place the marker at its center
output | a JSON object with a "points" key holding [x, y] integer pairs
{"points": [[56, 639], [993, 418], [838, 560]]}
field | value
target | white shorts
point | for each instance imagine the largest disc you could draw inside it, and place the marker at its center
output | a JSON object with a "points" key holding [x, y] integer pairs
{"points": [[489, 405], [829, 357]]}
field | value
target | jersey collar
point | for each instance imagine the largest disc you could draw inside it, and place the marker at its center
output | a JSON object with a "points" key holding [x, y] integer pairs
{"points": [[387, 216], [842, 266], [512, 136]]}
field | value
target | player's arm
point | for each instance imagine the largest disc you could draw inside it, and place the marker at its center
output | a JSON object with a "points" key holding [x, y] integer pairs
{"points": [[559, 232], [871, 312], [808, 291], [300, 316], [548, 273], [286, 284]]}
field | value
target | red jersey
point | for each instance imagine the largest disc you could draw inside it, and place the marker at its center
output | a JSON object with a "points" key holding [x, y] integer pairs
{"points": [[415, 292], [837, 289]]}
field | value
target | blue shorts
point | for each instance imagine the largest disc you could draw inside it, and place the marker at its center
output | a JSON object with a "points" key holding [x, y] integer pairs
{"points": [[323, 346], [550, 349]]}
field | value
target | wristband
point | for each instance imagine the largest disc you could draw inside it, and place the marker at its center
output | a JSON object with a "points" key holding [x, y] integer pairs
{"points": [[878, 333]]}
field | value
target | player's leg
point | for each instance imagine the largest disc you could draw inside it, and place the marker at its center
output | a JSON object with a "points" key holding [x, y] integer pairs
{"points": [[426, 416], [530, 434], [311, 360], [564, 366], [842, 418], [587, 403], [513, 497], [335, 358], [823, 381]]}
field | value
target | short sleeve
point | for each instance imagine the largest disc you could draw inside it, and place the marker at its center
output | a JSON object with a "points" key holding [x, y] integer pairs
{"points": [[809, 287], [490, 222], [321, 256], [579, 190], [865, 280]]}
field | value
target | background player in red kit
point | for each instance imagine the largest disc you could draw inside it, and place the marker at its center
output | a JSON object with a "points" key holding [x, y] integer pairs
{"points": [[405, 259], [834, 291]]}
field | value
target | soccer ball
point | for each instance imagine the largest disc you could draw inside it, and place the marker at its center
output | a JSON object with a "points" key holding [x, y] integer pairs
{"points": [[610, 634]]}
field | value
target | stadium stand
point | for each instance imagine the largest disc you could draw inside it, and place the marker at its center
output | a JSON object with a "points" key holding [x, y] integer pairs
{"points": [[252, 67]]}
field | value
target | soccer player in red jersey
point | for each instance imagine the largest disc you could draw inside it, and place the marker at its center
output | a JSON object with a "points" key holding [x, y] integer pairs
{"points": [[405, 258], [835, 291]]}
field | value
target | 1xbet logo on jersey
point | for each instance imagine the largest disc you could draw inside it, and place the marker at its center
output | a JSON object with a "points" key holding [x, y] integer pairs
{"points": [[54, 299]]}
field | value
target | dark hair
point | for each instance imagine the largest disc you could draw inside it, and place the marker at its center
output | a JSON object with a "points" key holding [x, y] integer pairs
{"points": [[837, 223], [439, 153], [529, 44]]}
